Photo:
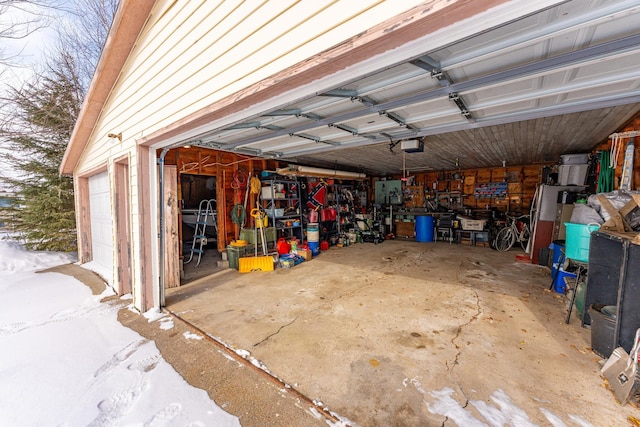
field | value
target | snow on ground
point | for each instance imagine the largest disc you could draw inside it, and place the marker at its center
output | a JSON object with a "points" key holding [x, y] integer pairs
{"points": [[67, 361]]}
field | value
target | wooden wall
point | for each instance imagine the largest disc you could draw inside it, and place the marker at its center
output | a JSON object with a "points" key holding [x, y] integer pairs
{"points": [[521, 182], [224, 166]]}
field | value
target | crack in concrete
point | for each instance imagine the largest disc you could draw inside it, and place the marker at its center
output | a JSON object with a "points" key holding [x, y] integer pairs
{"points": [[348, 293], [459, 331], [275, 333]]}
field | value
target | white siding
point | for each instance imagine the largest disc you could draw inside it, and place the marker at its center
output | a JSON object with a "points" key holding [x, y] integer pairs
{"points": [[192, 54]]}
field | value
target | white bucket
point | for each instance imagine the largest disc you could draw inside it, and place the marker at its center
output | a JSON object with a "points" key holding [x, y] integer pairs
{"points": [[313, 232]]}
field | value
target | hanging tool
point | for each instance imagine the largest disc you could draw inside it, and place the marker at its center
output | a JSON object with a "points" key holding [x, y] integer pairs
{"points": [[605, 173], [238, 182], [263, 263], [246, 198], [627, 166], [260, 217], [613, 157], [255, 186]]}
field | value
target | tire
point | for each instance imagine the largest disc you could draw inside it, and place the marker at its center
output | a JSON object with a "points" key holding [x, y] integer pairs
{"points": [[505, 239], [493, 233], [525, 238]]}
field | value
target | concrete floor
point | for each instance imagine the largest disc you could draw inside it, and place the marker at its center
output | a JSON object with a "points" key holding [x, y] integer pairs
{"points": [[406, 333]]}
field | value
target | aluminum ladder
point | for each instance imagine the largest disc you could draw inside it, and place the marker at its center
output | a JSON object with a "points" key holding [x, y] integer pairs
{"points": [[206, 211]]}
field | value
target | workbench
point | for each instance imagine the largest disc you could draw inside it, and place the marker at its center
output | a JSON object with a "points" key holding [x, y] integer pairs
{"points": [[472, 237]]}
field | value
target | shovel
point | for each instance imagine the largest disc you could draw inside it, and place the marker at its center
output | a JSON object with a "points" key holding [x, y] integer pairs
{"points": [[621, 370], [257, 263]]}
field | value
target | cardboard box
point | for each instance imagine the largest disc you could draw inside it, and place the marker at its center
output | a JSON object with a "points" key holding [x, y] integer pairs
{"points": [[405, 229], [305, 253], [472, 224]]}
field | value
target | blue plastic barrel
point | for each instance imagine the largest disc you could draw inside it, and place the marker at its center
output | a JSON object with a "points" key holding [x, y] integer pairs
{"points": [[424, 228], [314, 247], [556, 255]]}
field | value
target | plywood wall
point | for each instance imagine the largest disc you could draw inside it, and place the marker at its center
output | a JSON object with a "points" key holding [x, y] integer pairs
{"points": [[229, 169], [633, 125], [522, 182]]}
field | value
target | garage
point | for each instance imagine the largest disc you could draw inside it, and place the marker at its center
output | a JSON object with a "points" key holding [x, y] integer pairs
{"points": [[101, 225], [354, 198]]}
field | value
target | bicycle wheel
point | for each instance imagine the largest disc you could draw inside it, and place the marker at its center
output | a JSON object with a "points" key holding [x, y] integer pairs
{"points": [[524, 237], [505, 239]]}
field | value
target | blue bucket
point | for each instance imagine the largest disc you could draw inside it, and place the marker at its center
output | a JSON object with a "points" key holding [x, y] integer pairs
{"points": [[424, 228], [314, 247]]}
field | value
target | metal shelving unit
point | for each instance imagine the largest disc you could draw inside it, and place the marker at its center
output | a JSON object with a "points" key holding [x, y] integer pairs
{"points": [[282, 203]]}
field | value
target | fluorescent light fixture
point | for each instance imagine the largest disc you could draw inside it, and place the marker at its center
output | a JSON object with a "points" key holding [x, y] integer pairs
{"points": [[295, 170]]}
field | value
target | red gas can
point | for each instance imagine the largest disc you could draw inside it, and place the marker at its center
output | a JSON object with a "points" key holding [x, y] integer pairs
{"points": [[283, 246]]}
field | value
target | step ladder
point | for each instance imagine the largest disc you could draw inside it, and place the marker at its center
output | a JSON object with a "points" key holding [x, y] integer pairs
{"points": [[206, 211]]}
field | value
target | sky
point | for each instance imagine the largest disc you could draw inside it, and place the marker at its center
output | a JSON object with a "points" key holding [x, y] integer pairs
{"points": [[25, 54], [67, 361]]}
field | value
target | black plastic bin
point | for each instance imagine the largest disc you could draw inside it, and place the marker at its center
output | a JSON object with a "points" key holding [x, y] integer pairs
{"points": [[603, 324]]}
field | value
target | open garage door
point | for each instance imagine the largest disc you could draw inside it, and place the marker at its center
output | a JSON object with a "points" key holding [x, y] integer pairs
{"points": [[101, 224]]}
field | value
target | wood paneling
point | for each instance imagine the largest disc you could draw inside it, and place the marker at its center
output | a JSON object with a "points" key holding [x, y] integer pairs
{"points": [[171, 226], [522, 183]]}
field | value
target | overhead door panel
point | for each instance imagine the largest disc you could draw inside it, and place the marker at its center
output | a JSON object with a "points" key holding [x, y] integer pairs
{"points": [[101, 222]]}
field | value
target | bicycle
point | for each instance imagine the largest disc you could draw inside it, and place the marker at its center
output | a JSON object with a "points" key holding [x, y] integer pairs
{"points": [[517, 230]]}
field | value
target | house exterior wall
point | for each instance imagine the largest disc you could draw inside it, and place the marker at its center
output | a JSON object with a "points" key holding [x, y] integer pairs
{"points": [[190, 55], [198, 61]]}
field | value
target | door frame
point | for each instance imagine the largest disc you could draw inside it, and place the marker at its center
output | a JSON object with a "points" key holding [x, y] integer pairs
{"points": [[122, 209]]}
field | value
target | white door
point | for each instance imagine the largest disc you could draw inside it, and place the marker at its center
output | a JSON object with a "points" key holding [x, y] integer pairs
{"points": [[101, 224]]}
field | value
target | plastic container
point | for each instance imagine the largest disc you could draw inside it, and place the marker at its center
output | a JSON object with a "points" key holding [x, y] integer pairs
{"points": [[602, 331], [572, 174], [282, 246], [314, 247], [424, 228], [313, 232], [578, 240], [233, 255], [324, 245], [472, 224], [574, 159], [559, 285], [556, 254]]}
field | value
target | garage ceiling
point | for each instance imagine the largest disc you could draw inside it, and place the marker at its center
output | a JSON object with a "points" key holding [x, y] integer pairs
{"points": [[555, 82]]}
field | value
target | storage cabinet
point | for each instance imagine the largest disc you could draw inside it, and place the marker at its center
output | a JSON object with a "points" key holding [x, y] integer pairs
{"points": [[563, 214], [614, 279], [282, 203]]}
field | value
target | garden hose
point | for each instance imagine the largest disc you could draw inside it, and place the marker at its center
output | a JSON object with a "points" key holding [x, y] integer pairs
{"points": [[255, 185], [607, 173], [238, 214]]}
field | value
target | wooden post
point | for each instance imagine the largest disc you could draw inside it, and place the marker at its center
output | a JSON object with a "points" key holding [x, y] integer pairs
{"points": [[172, 247]]}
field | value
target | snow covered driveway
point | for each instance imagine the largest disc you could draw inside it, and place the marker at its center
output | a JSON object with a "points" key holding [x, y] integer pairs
{"points": [[66, 360]]}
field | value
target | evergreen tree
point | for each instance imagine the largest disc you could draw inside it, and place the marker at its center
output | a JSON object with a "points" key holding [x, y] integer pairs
{"points": [[37, 119], [41, 121]]}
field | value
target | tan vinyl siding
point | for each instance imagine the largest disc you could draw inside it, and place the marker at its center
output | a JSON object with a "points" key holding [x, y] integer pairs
{"points": [[192, 54]]}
